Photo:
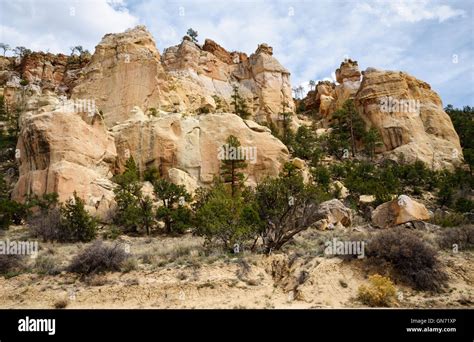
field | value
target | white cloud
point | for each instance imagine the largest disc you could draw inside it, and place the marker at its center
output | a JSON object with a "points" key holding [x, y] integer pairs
{"points": [[58, 24], [412, 11]]}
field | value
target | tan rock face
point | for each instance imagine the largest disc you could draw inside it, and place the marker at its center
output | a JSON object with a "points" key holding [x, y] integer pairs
{"points": [[125, 78], [60, 152], [349, 70], [401, 210], [409, 117], [334, 212], [190, 144], [124, 72], [210, 72], [187, 78], [407, 113]]}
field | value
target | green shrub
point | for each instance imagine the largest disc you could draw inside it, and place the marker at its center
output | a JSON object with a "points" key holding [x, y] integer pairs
{"points": [[173, 211], [321, 176], [225, 218], [128, 196], [77, 222], [464, 205], [151, 174], [448, 219], [306, 145], [47, 225], [286, 206]]}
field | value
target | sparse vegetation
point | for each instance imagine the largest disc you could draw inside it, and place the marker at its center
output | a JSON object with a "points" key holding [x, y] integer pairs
{"points": [[413, 260], [231, 163], [460, 238], [46, 265], [11, 264], [287, 206], [240, 105], [97, 258], [128, 196], [224, 217], [379, 293], [193, 34]]}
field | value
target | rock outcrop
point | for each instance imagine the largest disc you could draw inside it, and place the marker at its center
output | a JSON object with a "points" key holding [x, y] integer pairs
{"points": [[143, 105], [410, 118], [348, 71], [332, 213], [172, 111], [329, 97], [124, 72], [204, 77], [190, 144], [187, 78], [399, 211], [406, 112], [60, 152]]}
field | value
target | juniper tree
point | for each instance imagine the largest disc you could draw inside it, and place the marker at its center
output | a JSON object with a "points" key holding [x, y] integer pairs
{"points": [[172, 211], [78, 223], [371, 140], [285, 118], [225, 218], [193, 34], [128, 195], [348, 125], [287, 206], [240, 106], [4, 47], [232, 161]]}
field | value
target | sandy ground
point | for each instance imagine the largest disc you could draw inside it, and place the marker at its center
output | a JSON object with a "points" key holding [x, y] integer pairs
{"points": [[174, 273]]}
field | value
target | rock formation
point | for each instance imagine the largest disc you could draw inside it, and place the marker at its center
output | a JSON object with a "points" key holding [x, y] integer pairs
{"points": [[124, 72], [134, 92], [188, 78], [406, 112], [191, 144], [331, 213], [172, 111], [60, 152], [399, 211], [409, 117]]}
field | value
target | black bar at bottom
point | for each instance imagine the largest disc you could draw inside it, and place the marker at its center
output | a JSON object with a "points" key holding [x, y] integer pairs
{"points": [[365, 325]]}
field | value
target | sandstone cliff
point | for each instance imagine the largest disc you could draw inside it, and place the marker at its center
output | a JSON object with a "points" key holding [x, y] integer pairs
{"points": [[171, 111], [406, 112], [127, 70]]}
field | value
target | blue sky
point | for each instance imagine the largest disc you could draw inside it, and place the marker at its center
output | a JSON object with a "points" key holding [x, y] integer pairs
{"points": [[432, 40]]}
